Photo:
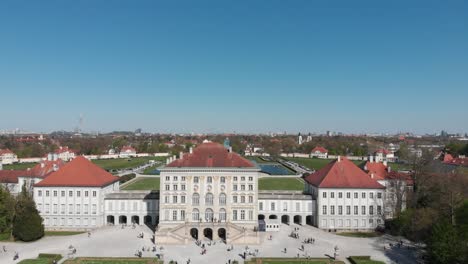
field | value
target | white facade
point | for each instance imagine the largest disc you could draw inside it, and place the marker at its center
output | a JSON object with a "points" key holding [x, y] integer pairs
{"points": [[287, 206], [319, 154], [132, 207], [8, 157], [348, 209], [72, 207]]}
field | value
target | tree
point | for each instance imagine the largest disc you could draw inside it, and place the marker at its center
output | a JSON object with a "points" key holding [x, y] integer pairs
{"points": [[444, 245], [7, 210], [27, 223]]}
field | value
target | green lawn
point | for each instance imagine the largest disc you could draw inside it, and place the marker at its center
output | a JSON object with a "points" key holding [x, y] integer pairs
{"points": [[113, 260], [146, 183], [363, 260], [117, 164], [62, 233], [317, 164], [42, 259], [149, 170], [294, 261], [286, 184], [359, 234], [19, 166], [4, 236]]}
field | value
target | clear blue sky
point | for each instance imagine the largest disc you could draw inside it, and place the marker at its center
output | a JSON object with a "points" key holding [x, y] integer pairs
{"points": [[245, 66]]}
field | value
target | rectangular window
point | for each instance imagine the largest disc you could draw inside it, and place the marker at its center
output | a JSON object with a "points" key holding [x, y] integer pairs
{"points": [[250, 178], [242, 199], [62, 208], [182, 215], [94, 209], [70, 193], [340, 195], [340, 209], [168, 178], [174, 215], [86, 209], [47, 193], [39, 193], [78, 193], [55, 193], [47, 208], [223, 179], [250, 187], [174, 187], [234, 199], [78, 208], [242, 187], [234, 187], [182, 199], [182, 178], [94, 193], [174, 199], [209, 179], [168, 187], [371, 195], [332, 195], [348, 195], [371, 210], [379, 195], [324, 210], [379, 209], [62, 193], [166, 199], [195, 179], [234, 215], [332, 209], [324, 194], [355, 195], [55, 208], [348, 210], [70, 208], [242, 178], [363, 195], [175, 178], [86, 193], [272, 206], [250, 199], [235, 178], [182, 187], [250, 215], [260, 206], [242, 214], [363, 210], [356, 210]]}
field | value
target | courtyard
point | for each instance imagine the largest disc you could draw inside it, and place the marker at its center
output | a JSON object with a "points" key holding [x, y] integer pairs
{"points": [[115, 241]]}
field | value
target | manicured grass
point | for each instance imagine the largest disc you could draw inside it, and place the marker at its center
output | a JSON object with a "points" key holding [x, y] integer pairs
{"points": [[399, 166], [117, 164], [359, 234], [286, 184], [42, 259], [145, 183], [62, 233], [316, 164], [19, 166], [294, 261], [363, 260], [113, 260]]}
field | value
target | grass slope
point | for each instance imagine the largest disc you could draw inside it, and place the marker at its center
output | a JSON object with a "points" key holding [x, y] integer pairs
{"points": [[19, 166], [117, 164]]}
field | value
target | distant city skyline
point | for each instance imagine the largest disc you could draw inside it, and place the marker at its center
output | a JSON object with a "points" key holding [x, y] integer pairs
{"points": [[242, 66]]}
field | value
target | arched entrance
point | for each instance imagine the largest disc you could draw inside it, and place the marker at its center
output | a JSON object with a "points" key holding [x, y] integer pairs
{"points": [[148, 220], [208, 233], [298, 219], [285, 219], [122, 219], [136, 219], [309, 220], [222, 234], [273, 217], [194, 233], [261, 217], [110, 220]]}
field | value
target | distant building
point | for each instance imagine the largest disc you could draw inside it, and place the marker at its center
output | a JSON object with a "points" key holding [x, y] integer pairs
{"points": [[309, 138], [384, 155], [319, 152], [460, 161], [7, 156], [64, 153], [299, 139], [127, 152]]}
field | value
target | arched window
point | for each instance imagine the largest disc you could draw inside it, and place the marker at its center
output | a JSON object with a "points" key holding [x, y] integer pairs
{"points": [[222, 214], [195, 199], [195, 215], [209, 215], [223, 179], [222, 199], [209, 199], [195, 179], [209, 179]]}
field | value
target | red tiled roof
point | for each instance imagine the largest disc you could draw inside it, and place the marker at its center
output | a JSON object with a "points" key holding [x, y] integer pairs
{"points": [[447, 157], [384, 151], [457, 161], [211, 155], [40, 171], [378, 169], [342, 174], [79, 172], [319, 149], [6, 151], [11, 176]]}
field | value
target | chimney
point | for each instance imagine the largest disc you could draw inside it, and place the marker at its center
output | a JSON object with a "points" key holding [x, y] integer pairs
{"points": [[372, 175], [42, 165], [55, 168], [384, 162], [339, 158], [181, 155], [191, 150], [230, 149], [371, 158], [389, 169]]}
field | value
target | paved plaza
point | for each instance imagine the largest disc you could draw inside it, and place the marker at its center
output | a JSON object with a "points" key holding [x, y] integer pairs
{"points": [[117, 242]]}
